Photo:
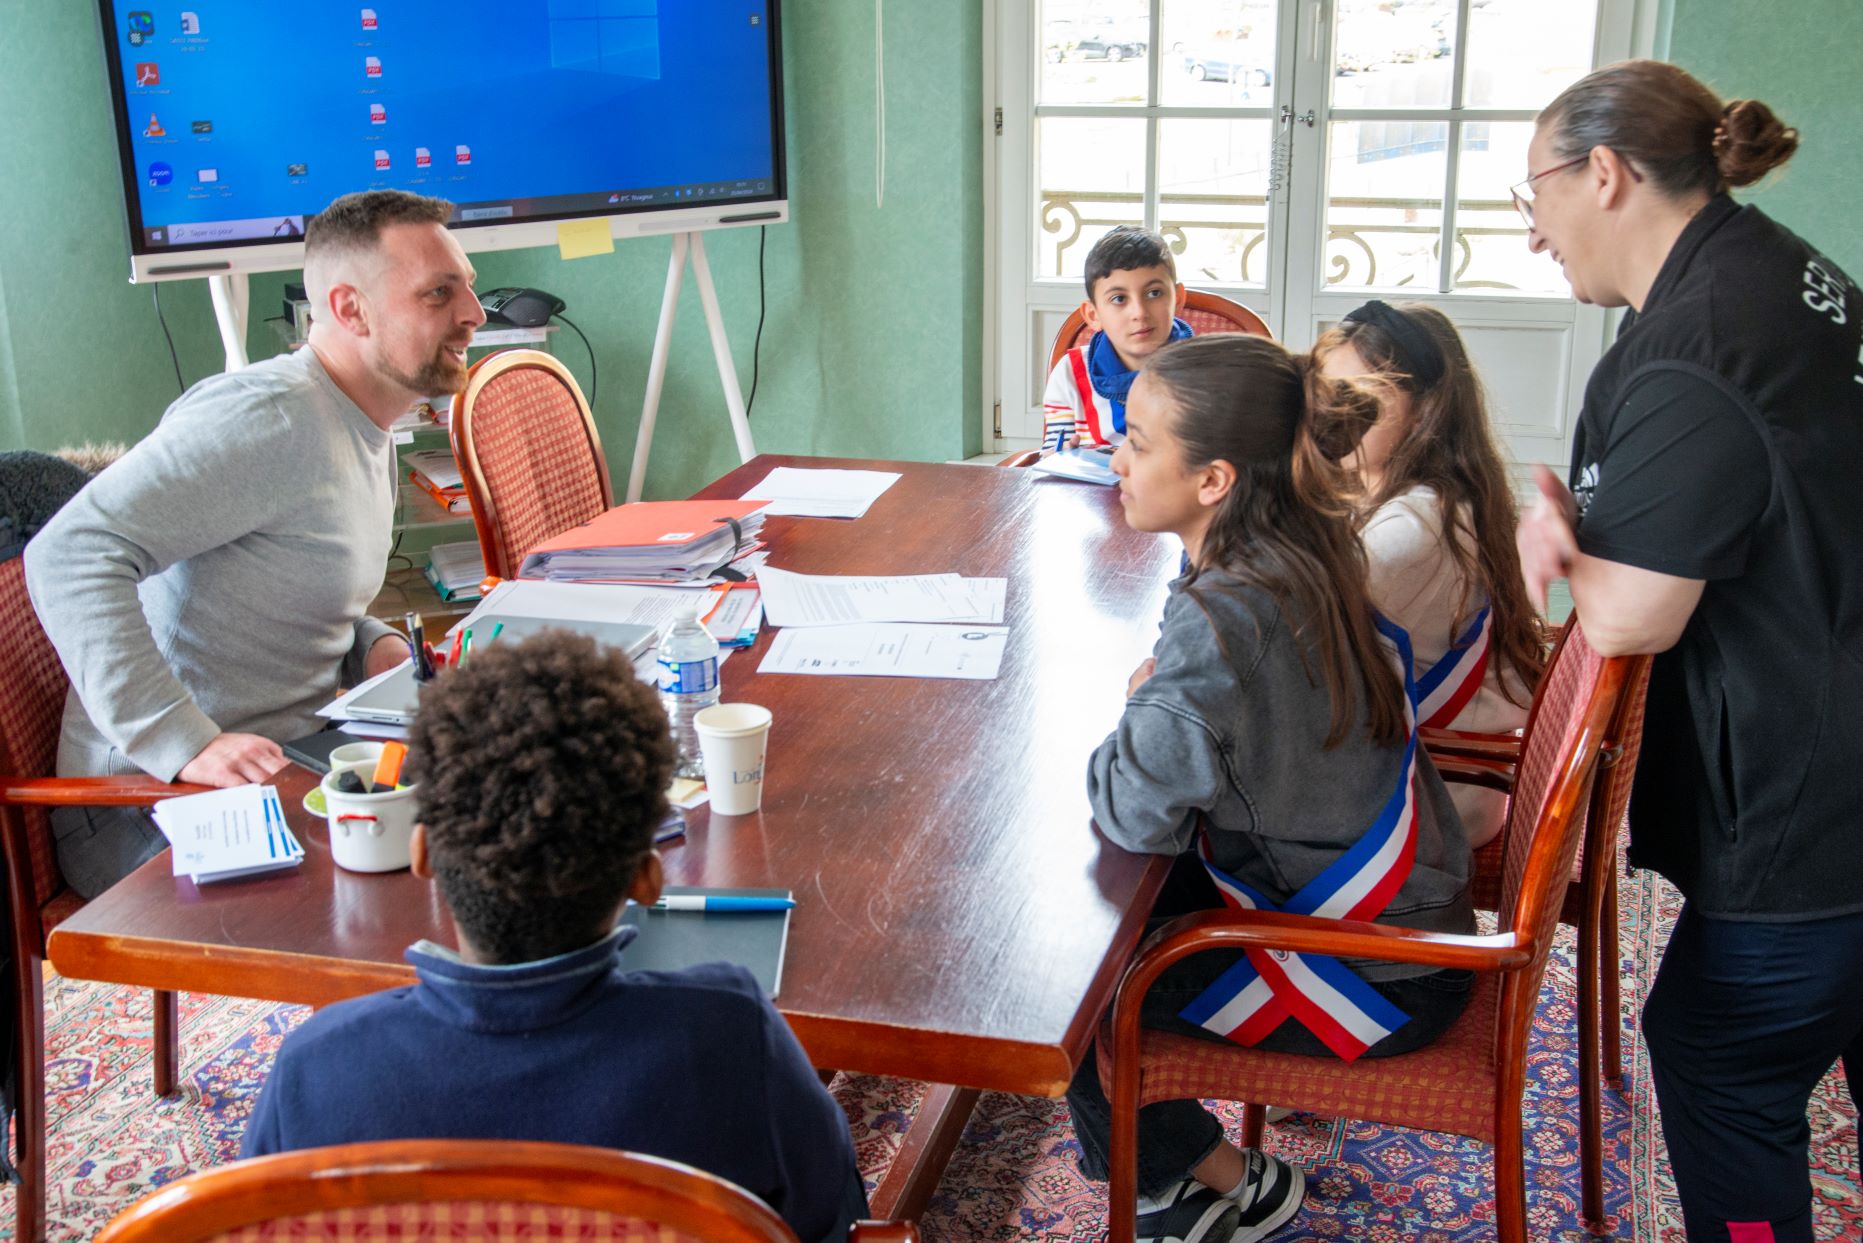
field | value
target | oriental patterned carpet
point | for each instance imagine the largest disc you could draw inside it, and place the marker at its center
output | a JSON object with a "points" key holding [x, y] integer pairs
{"points": [[1014, 1176]]}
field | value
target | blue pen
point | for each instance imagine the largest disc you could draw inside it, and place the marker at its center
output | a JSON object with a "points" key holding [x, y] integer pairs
{"points": [[1060, 437], [720, 902]]}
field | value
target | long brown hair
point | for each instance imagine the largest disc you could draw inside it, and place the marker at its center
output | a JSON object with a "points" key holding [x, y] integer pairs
{"points": [[1670, 126], [1449, 448], [1284, 527]]}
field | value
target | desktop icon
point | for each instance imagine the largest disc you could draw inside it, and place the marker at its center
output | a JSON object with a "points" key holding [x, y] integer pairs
{"points": [[207, 176], [372, 66], [381, 159], [423, 158], [377, 114], [297, 170], [141, 27], [462, 154], [160, 174], [190, 22], [614, 198], [148, 73], [368, 19], [154, 128], [202, 127]]}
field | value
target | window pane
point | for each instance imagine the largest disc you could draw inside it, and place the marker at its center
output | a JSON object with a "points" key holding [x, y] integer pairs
{"points": [[1217, 53], [1092, 177], [1522, 52], [1095, 51], [1392, 56], [1384, 199], [1212, 199], [1491, 239]]}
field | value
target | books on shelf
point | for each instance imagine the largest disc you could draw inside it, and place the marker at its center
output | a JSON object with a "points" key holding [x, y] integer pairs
{"points": [[456, 570], [435, 471], [651, 541]]}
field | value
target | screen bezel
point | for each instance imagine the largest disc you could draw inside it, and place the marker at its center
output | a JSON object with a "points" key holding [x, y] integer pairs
{"points": [[200, 259]]}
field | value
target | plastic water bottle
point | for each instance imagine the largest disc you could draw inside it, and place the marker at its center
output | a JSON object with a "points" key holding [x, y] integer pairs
{"points": [[688, 682]]}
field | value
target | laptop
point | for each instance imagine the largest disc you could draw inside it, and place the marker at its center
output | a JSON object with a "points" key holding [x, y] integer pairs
{"points": [[392, 701]]}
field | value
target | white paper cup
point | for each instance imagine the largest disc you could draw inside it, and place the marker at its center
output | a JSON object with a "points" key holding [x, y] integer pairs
{"points": [[368, 832], [732, 740], [356, 753]]}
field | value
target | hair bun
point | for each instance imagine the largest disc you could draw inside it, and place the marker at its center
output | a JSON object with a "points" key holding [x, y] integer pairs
{"points": [[1750, 142]]}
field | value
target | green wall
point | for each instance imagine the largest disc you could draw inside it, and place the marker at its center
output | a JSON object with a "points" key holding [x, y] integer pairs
{"points": [[1803, 59], [871, 342]]}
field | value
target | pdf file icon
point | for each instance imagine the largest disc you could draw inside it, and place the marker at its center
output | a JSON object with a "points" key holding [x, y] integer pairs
{"points": [[462, 154], [423, 158], [372, 66], [381, 159], [377, 114], [368, 19]]}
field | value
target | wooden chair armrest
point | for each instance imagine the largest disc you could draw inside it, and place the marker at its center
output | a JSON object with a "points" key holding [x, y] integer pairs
{"points": [[1308, 934], [1491, 774], [883, 1232], [91, 791], [1471, 744]]}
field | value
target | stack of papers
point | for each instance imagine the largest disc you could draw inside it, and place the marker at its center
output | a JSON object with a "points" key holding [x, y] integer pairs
{"points": [[227, 833], [456, 570], [731, 612], [651, 542], [791, 599], [793, 492], [435, 471], [1085, 465]]}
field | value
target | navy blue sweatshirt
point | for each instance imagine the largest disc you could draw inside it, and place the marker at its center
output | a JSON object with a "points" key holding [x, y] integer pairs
{"points": [[694, 1066]]}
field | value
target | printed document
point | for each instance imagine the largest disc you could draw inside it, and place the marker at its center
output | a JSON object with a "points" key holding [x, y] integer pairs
{"points": [[800, 493], [791, 599], [973, 652]]}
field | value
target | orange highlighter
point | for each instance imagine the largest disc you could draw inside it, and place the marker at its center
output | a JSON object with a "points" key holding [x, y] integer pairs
{"points": [[388, 768]]}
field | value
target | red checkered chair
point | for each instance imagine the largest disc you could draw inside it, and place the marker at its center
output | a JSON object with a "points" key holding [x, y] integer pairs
{"points": [[30, 713], [1470, 1081], [1207, 314], [530, 455], [1590, 906], [486, 1191]]}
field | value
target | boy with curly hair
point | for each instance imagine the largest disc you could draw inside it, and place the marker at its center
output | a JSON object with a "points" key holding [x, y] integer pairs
{"points": [[542, 768]]}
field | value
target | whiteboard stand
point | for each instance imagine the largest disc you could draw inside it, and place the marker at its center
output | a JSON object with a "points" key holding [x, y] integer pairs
{"points": [[684, 243], [231, 293]]}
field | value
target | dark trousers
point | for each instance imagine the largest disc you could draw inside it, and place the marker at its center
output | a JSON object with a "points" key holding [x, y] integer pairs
{"points": [[1175, 1136], [1742, 1022]]}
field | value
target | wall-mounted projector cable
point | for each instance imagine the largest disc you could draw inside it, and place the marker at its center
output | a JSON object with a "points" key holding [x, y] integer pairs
{"points": [[156, 289], [756, 348], [595, 380]]}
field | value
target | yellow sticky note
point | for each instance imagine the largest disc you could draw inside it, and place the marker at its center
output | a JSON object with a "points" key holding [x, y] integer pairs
{"points": [[578, 239]]}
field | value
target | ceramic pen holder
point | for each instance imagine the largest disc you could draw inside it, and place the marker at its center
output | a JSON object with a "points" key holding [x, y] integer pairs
{"points": [[368, 832]]}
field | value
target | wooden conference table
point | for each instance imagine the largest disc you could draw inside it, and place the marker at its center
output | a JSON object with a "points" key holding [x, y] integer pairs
{"points": [[959, 921]]}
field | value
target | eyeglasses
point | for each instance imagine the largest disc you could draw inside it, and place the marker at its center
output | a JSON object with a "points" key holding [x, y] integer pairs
{"points": [[1523, 192]]}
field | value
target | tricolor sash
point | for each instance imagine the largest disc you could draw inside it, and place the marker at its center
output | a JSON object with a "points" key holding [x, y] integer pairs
{"points": [[1348, 1015]]}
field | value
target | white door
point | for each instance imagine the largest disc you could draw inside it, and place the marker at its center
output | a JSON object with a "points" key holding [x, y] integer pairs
{"points": [[1300, 156]]}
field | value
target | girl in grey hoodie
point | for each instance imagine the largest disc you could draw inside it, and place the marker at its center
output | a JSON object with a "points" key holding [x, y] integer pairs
{"points": [[1265, 737]]}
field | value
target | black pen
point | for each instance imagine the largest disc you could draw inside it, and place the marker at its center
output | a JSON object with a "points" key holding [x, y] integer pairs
{"points": [[417, 647]]}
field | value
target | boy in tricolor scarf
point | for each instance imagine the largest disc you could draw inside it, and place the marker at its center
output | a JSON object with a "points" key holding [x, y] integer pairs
{"points": [[1133, 298]]}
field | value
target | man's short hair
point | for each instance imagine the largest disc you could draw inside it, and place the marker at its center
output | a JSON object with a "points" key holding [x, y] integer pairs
{"points": [[355, 221], [1124, 249], [542, 769]]}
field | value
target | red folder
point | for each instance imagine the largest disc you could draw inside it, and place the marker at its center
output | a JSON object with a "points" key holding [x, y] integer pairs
{"points": [[646, 524]]}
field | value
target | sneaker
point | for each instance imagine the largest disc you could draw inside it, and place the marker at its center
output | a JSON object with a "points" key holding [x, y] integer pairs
{"points": [[1277, 1113], [1187, 1213], [1267, 1197]]}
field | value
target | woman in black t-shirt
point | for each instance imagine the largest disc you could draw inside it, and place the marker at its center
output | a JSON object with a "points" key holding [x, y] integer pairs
{"points": [[1716, 469]]}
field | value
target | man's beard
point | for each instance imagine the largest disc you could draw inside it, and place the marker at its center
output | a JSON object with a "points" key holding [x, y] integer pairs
{"points": [[442, 373]]}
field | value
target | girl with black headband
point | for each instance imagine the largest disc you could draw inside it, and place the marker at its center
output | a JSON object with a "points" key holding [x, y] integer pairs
{"points": [[1437, 518]]}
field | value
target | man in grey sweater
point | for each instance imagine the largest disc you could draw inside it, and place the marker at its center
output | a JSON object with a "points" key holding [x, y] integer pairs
{"points": [[206, 593]]}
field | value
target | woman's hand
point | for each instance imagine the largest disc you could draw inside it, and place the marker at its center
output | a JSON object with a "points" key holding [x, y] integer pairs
{"points": [[1146, 668]]}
